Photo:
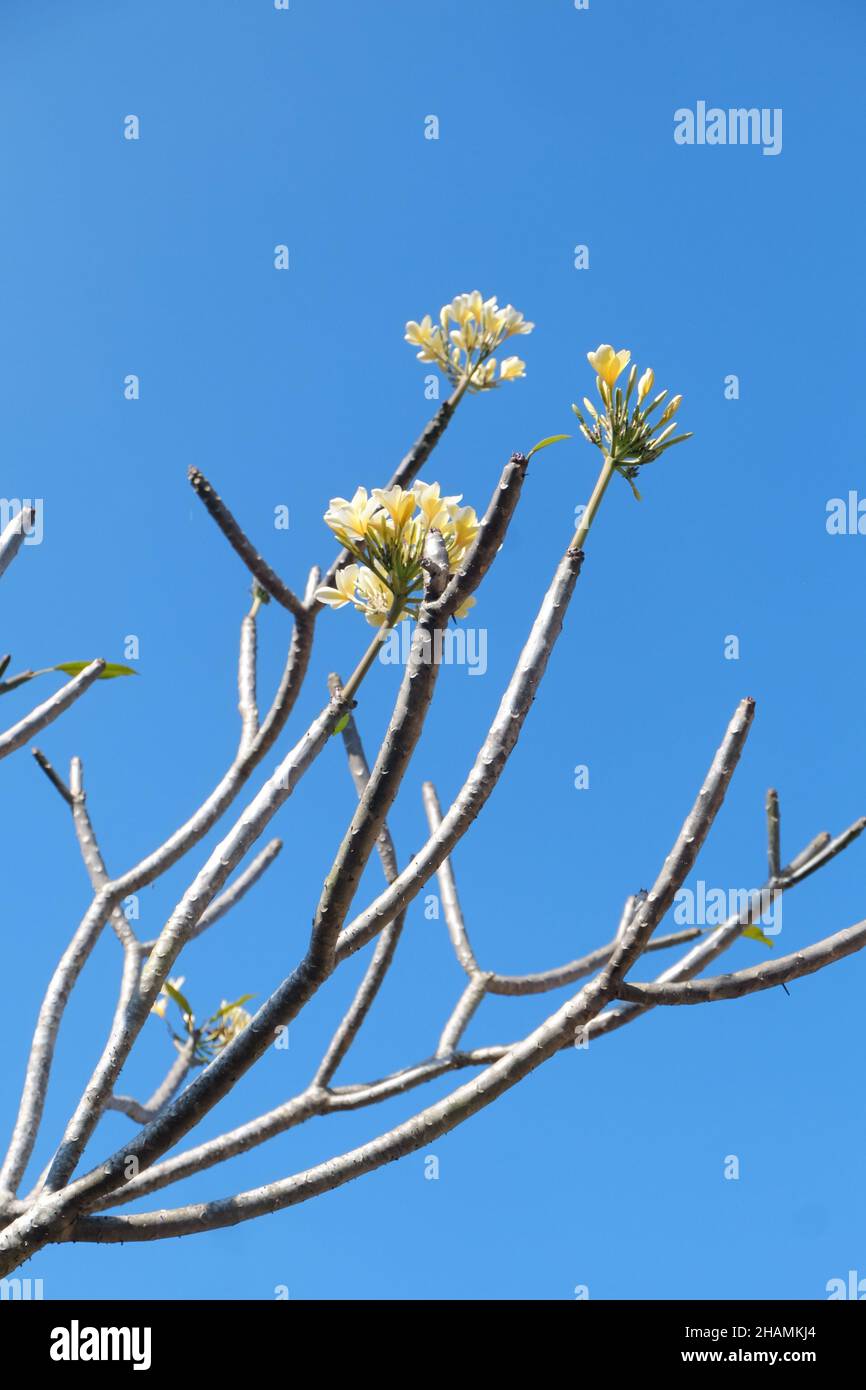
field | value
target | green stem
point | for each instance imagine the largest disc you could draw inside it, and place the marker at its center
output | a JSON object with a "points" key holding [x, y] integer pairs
{"points": [[604, 477], [370, 654]]}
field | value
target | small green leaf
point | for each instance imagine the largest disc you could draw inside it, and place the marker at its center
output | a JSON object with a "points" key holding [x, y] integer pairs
{"points": [[755, 934], [341, 724], [74, 668], [227, 1008], [551, 439], [179, 999]]}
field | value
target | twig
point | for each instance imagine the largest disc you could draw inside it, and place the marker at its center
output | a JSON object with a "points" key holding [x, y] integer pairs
{"points": [[258, 567], [51, 709], [773, 843], [13, 537], [756, 977]]}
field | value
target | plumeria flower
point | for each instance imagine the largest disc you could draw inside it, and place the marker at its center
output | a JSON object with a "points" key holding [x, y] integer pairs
{"points": [[376, 599], [387, 539], [399, 504], [469, 331], [233, 1019], [343, 591], [511, 369], [433, 508], [607, 363], [628, 437], [352, 517]]}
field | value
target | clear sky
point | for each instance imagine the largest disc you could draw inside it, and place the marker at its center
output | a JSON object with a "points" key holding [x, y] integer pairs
{"points": [[155, 257]]}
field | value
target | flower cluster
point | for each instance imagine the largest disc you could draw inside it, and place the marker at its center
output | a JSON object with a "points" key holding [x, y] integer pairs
{"points": [[386, 533], [627, 437], [462, 344], [214, 1034]]}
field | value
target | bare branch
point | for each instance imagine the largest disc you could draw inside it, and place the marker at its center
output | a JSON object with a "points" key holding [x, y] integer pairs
{"points": [[462, 1014], [13, 537], [488, 767], [767, 975], [237, 890], [175, 1076], [258, 567], [448, 888], [774, 857], [247, 700], [51, 709], [54, 777], [383, 955]]}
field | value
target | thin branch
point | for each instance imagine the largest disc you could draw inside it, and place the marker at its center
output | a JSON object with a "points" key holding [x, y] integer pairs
{"points": [[398, 745], [258, 567], [237, 890], [543, 981], [174, 1078], [90, 851], [774, 854], [51, 709], [767, 975], [462, 1014], [13, 537], [448, 888], [713, 945], [487, 769], [383, 955], [572, 1018], [416, 1133], [147, 870], [247, 699], [54, 777]]}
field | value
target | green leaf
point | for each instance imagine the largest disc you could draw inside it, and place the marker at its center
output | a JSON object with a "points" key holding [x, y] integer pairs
{"points": [[543, 443], [341, 724], [179, 999], [755, 934], [74, 668], [227, 1008]]}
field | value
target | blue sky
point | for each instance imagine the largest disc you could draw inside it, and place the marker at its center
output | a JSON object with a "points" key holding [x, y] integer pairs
{"points": [[155, 257]]}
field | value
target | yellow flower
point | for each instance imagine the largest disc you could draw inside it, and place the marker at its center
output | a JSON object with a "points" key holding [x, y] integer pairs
{"points": [[670, 409], [463, 525], [645, 385], [376, 598], [351, 518], [232, 1022], [433, 508], [398, 503], [419, 334], [464, 607], [608, 363], [511, 321], [469, 331], [511, 368], [345, 581]]}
